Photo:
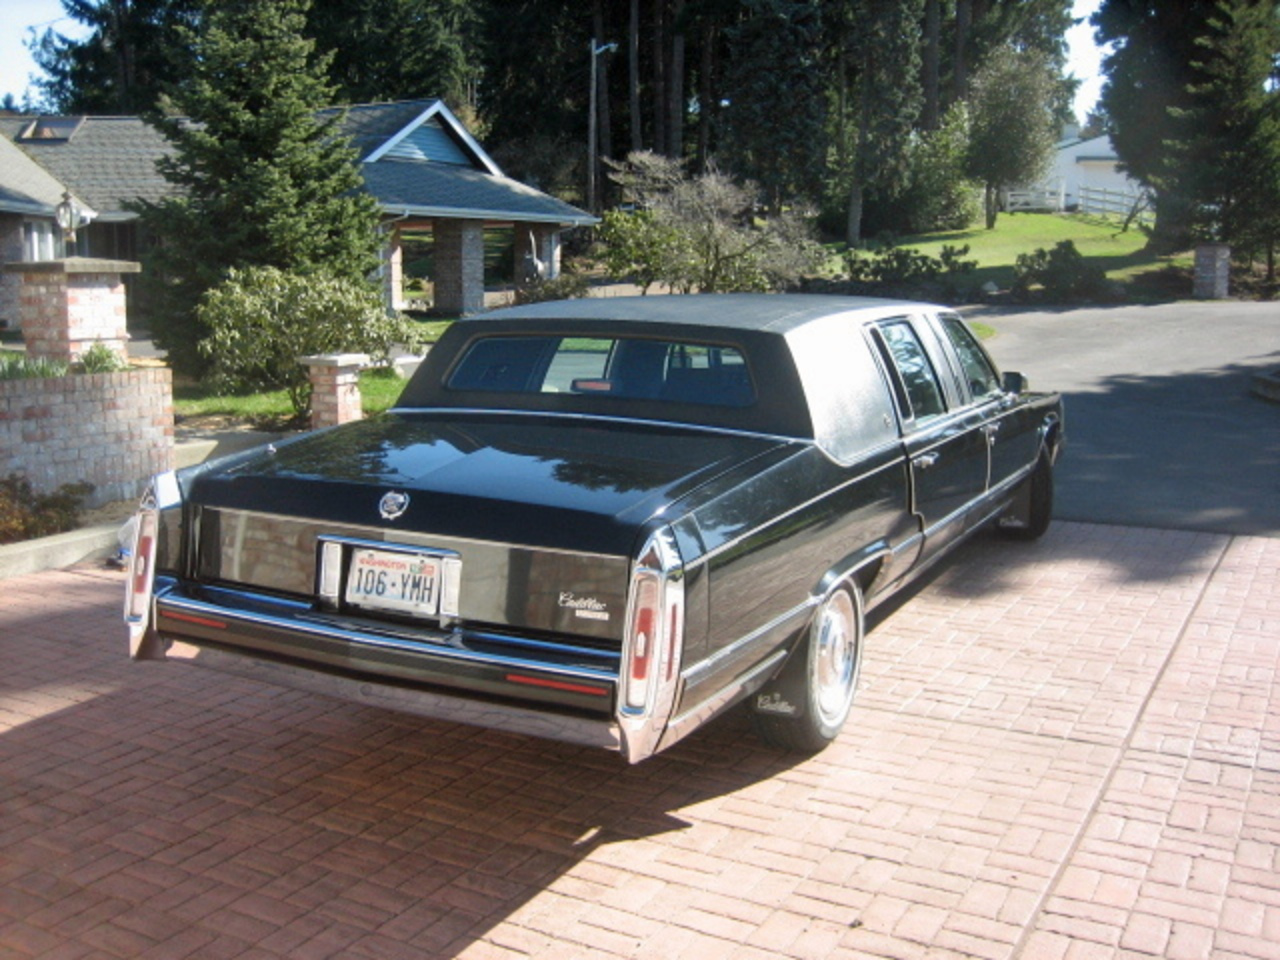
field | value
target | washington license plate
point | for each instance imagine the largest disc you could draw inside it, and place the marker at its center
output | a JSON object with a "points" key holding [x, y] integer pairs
{"points": [[394, 582]]}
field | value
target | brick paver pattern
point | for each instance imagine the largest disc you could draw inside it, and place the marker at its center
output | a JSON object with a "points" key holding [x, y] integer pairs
{"points": [[1069, 749]]}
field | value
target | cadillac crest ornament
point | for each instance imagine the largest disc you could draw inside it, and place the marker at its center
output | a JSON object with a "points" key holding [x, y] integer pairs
{"points": [[393, 504]]}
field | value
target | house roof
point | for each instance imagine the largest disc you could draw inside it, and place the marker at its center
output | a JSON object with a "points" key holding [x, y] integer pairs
{"points": [[416, 157], [415, 189], [105, 161], [25, 186]]}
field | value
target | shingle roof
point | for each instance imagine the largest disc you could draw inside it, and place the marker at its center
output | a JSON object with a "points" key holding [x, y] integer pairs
{"points": [[109, 161], [430, 189], [26, 187], [370, 125], [106, 163]]}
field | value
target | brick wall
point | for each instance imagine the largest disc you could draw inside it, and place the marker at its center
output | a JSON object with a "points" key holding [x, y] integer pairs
{"points": [[113, 430]]}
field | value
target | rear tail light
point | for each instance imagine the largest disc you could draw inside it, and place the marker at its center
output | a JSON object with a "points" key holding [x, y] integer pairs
{"points": [[162, 493], [653, 644]]}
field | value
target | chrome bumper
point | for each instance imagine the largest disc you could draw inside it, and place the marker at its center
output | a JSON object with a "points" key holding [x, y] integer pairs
{"points": [[424, 703]]}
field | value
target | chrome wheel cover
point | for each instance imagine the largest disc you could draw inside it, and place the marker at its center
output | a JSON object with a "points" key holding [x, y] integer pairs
{"points": [[836, 652]]}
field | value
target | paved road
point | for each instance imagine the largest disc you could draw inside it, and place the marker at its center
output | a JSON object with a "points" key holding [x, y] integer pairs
{"points": [[1162, 430]]}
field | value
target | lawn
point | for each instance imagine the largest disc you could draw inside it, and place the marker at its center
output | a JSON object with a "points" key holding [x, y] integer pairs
{"points": [[379, 390], [1120, 254]]}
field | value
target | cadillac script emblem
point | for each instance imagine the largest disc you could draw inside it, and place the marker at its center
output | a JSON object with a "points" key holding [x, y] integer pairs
{"points": [[393, 504]]}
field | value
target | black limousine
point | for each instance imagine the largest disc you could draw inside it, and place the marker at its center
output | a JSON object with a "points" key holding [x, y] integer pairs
{"points": [[605, 521]]}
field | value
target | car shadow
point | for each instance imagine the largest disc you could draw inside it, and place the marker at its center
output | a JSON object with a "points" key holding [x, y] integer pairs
{"points": [[188, 810]]}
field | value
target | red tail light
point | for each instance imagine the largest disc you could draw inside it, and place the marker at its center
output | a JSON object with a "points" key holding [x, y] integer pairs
{"points": [[655, 634]]}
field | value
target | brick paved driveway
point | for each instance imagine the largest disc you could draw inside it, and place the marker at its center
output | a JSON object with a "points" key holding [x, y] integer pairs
{"points": [[1069, 749]]}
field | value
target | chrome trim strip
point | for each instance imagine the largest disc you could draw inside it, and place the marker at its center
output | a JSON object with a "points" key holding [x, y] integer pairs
{"points": [[733, 649], [739, 689], [637, 421], [425, 703], [441, 650]]}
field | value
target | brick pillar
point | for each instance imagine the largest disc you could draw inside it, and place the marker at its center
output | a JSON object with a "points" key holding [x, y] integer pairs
{"points": [[1213, 271], [66, 306], [459, 266], [335, 387]]}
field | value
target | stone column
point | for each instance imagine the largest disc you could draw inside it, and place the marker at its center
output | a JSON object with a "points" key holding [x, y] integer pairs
{"points": [[1213, 271], [66, 306], [335, 387], [393, 269], [459, 267]]}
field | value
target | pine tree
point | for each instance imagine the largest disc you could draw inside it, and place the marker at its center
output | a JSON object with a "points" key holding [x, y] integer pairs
{"points": [[772, 125], [265, 178], [120, 67], [1228, 155]]}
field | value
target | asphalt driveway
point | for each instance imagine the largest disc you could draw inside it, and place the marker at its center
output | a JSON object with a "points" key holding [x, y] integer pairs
{"points": [[1162, 429]]}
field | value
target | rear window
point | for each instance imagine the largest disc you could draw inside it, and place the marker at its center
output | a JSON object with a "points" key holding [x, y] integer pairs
{"points": [[616, 368]]}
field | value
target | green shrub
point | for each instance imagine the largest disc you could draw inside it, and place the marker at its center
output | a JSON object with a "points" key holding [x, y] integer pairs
{"points": [[18, 366], [901, 268], [567, 286], [261, 320], [1062, 272], [25, 514], [102, 359]]}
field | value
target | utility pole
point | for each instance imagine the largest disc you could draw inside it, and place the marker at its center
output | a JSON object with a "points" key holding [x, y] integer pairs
{"points": [[592, 138]]}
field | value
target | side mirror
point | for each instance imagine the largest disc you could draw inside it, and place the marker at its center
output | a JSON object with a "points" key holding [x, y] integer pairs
{"points": [[1015, 383]]}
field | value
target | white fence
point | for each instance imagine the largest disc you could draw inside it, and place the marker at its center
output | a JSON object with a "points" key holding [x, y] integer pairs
{"points": [[1127, 205], [1034, 198]]}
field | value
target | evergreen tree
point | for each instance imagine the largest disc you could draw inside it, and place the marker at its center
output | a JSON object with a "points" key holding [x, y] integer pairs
{"points": [[1149, 73], [879, 97], [265, 178], [772, 128], [1227, 159], [387, 50], [131, 52]]}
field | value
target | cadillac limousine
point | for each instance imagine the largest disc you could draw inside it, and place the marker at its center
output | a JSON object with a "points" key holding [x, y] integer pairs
{"points": [[605, 521]]}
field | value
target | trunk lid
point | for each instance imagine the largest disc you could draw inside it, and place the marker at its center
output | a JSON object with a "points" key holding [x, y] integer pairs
{"points": [[565, 484]]}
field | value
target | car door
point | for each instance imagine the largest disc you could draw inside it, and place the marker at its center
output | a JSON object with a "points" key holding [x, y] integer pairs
{"points": [[946, 448], [1011, 437]]}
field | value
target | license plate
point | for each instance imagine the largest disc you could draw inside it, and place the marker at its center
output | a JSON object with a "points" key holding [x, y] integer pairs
{"points": [[394, 582]]}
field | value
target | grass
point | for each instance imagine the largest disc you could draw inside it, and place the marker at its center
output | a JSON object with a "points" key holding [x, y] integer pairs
{"points": [[1121, 254], [379, 390]]}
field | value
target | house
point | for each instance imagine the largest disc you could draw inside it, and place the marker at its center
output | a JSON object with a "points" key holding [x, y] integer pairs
{"points": [[1084, 175], [1088, 164], [417, 159]]}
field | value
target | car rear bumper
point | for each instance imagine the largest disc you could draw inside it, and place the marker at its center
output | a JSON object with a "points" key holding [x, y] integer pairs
{"points": [[543, 690]]}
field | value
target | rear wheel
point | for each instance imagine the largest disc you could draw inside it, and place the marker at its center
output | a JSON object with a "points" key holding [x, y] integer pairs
{"points": [[805, 708], [1033, 509]]}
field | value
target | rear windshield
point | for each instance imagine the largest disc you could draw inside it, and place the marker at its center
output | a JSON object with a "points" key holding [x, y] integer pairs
{"points": [[618, 368]]}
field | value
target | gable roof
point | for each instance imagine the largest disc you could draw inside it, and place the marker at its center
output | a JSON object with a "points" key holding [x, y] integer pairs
{"points": [[416, 157], [25, 186], [105, 161]]}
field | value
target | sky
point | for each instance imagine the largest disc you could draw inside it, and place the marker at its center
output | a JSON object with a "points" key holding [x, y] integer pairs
{"points": [[18, 17]]}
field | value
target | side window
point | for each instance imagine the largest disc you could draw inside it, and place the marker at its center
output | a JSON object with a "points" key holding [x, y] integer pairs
{"points": [[918, 375], [979, 374]]}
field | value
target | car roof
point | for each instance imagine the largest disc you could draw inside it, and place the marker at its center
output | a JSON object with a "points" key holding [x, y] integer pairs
{"points": [[772, 313]]}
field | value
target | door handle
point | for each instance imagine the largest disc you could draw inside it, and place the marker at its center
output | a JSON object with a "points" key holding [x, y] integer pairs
{"points": [[925, 461]]}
